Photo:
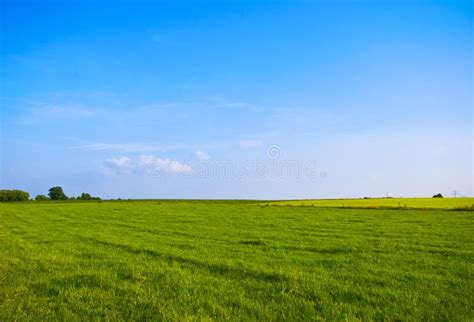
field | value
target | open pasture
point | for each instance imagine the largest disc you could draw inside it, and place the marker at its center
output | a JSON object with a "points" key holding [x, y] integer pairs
{"points": [[186, 260]]}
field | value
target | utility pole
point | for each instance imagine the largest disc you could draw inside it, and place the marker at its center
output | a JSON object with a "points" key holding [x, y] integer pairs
{"points": [[454, 193]]}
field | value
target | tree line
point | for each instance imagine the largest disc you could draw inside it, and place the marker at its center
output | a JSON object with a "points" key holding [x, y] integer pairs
{"points": [[55, 193], [14, 195]]}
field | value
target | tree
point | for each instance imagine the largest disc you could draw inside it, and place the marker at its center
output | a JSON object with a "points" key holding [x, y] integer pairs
{"points": [[14, 195], [84, 196], [438, 196], [87, 196], [57, 193], [41, 198]]}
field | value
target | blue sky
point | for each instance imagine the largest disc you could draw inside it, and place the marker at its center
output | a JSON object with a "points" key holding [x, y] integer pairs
{"points": [[216, 99]]}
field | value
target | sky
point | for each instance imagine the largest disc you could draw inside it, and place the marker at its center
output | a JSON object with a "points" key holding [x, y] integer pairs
{"points": [[237, 99]]}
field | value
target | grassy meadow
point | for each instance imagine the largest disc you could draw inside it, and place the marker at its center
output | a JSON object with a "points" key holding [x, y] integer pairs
{"points": [[188, 260]]}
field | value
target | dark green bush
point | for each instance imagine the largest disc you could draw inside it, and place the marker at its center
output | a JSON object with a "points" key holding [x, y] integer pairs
{"points": [[14, 195], [87, 196]]}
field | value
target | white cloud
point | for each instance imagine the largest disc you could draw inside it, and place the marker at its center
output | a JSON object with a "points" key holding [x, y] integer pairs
{"points": [[145, 160], [120, 162], [173, 166], [62, 111], [158, 165], [223, 102], [148, 164], [250, 144], [125, 147], [121, 165], [202, 156], [46, 113], [160, 107]]}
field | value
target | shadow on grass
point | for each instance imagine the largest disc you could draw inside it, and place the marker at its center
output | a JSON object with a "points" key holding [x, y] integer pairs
{"points": [[55, 286], [215, 268]]}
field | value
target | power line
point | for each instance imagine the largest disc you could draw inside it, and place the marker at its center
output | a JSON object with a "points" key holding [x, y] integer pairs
{"points": [[456, 194]]}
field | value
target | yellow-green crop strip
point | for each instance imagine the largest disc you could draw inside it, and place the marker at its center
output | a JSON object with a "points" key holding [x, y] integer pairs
{"points": [[188, 260], [397, 203]]}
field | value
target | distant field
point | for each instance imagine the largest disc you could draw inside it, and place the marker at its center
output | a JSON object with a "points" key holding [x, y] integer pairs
{"points": [[187, 260], [416, 203]]}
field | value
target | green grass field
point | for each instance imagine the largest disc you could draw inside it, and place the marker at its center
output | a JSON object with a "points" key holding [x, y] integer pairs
{"points": [[187, 260], [414, 203]]}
